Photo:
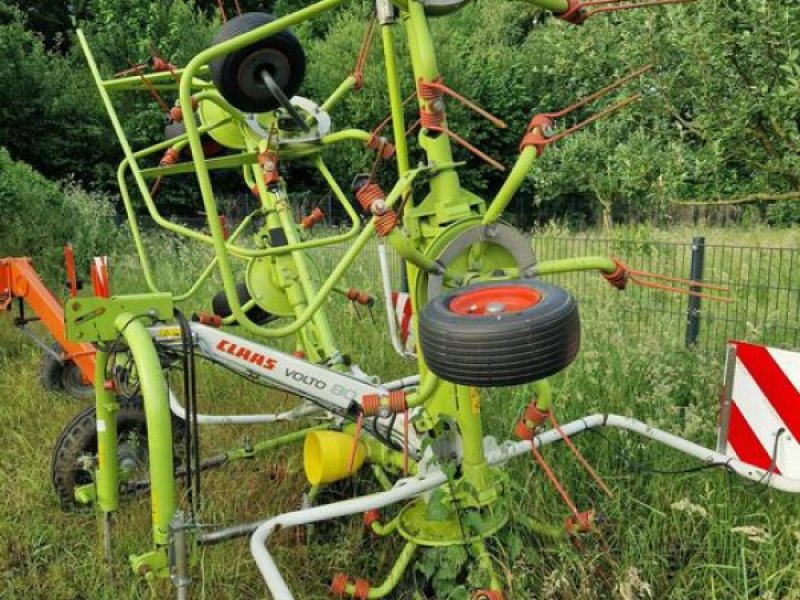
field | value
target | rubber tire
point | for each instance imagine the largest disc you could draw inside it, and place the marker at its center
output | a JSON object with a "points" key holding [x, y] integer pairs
{"points": [[225, 71], [79, 438], [221, 307], [50, 370], [502, 349], [65, 376]]}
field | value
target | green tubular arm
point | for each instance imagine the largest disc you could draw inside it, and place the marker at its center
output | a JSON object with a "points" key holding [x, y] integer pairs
{"points": [[345, 135], [212, 164], [511, 185], [405, 248], [399, 568], [339, 93], [581, 263], [163, 80], [216, 238], [215, 98], [142, 252], [380, 475], [544, 395], [395, 98], [107, 476], [424, 392], [204, 180], [384, 529], [355, 223], [159, 422], [316, 302], [380, 455], [555, 6]]}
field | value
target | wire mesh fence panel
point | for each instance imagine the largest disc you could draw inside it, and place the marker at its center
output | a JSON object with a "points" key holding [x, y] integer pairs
{"points": [[762, 283]]}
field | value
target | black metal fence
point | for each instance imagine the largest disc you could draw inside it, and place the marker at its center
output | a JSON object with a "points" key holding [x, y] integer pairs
{"points": [[763, 287]]}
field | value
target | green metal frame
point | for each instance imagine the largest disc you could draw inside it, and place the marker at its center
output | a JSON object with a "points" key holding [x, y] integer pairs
{"points": [[430, 225]]}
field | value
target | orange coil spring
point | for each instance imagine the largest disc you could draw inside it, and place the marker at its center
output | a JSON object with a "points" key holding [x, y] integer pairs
{"points": [[315, 217], [176, 114], [522, 431], [369, 193], [580, 523], [431, 120], [356, 296], [171, 157], [385, 223], [371, 516], [534, 415], [619, 278], [370, 403], [339, 584], [379, 144], [159, 65], [361, 591], [266, 157], [208, 319], [397, 401], [428, 90]]}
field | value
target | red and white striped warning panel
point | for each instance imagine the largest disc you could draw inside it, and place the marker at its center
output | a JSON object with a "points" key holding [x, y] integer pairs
{"points": [[760, 423], [405, 320]]}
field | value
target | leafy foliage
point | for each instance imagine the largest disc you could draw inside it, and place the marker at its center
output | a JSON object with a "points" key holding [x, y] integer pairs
{"points": [[40, 216], [719, 117]]}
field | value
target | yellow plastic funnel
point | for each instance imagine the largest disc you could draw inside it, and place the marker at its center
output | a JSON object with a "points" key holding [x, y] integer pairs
{"points": [[326, 456]]}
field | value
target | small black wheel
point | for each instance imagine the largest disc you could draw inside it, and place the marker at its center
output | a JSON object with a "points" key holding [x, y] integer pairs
{"points": [[500, 333], [222, 308], [238, 75], [55, 374], [78, 440]]}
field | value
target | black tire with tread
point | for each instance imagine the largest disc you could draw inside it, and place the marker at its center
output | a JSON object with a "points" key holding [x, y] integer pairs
{"points": [[66, 376], [502, 349], [222, 308], [228, 72], [79, 438]]}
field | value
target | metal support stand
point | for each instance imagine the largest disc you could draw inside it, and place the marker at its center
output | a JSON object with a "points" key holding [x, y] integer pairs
{"points": [[179, 557], [695, 274], [107, 536]]}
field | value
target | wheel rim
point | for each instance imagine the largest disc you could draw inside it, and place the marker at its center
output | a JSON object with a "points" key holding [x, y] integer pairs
{"points": [[495, 300]]}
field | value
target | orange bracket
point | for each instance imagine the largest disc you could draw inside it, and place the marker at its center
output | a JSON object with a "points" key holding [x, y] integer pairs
{"points": [[72, 276], [18, 279], [541, 127], [316, 216]]}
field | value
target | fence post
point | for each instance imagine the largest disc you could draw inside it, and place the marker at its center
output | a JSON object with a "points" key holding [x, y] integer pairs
{"points": [[695, 274]]}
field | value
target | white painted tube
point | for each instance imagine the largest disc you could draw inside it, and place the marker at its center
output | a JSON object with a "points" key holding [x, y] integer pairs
{"points": [[386, 277], [711, 457], [773, 480], [402, 383], [404, 490], [412, 487], [299, 411]]}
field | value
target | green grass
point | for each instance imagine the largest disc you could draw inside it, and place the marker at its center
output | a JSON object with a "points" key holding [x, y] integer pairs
{"points": [[655, 540]]}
